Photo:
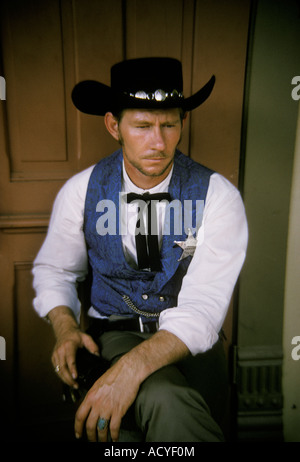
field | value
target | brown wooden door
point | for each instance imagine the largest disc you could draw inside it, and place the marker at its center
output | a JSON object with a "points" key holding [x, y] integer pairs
{"points": [[46, 47]]}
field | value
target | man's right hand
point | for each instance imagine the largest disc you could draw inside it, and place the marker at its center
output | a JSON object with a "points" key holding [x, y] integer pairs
{"points": [[69, 338]]}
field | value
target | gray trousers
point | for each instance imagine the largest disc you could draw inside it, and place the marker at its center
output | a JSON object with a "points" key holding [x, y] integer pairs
{"points": [[183, 402]]}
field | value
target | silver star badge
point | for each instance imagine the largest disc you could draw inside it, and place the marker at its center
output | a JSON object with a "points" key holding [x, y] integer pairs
{"points": [[188, 246]]}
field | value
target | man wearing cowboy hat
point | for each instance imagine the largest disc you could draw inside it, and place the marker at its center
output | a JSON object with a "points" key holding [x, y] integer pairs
{"points": [[160, 287]]}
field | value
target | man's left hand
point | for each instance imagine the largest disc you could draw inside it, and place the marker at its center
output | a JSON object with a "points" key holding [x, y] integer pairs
{"points": [[109, 398]]}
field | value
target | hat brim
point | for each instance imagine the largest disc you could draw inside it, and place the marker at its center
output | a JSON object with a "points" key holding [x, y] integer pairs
{"points": [[95, 98]]}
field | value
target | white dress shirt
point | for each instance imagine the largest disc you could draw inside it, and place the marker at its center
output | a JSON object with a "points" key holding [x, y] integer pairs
{"points": [[207, 286]]}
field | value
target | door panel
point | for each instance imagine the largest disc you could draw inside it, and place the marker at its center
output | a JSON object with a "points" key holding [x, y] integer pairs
{"points": [[46, 47]]}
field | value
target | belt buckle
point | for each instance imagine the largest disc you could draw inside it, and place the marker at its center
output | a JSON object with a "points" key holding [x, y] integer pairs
{"points": [[141, 324]]}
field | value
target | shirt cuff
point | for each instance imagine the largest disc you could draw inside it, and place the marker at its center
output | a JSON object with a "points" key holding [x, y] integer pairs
{"points": [[194, 331], [49, 300]]}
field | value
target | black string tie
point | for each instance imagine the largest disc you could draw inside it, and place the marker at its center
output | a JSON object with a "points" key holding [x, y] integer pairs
{"points": [[147, 243]]}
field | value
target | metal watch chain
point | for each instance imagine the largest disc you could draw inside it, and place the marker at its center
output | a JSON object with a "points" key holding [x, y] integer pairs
{"points": [[131, 305]]}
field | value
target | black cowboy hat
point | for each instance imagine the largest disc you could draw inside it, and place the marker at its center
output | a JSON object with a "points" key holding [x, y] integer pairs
{"points": [[148, 83]]}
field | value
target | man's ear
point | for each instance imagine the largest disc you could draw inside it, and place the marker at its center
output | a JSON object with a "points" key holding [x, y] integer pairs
{"points": [[184, 119], [112, 125]]}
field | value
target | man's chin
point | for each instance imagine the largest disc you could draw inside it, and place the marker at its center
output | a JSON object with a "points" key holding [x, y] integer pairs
{"points": [[153, 167]]}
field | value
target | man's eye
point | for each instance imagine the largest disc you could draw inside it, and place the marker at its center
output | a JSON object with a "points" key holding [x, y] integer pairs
{"points": [[169, 125]]}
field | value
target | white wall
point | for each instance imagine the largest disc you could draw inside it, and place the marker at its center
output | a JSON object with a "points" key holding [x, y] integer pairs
{"points": [[291, 367]]}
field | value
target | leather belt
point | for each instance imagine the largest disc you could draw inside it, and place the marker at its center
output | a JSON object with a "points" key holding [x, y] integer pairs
{"points": [[135, 324]]}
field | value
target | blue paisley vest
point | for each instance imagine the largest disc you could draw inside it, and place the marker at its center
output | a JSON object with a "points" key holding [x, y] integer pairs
{"points": [[117, 288]]}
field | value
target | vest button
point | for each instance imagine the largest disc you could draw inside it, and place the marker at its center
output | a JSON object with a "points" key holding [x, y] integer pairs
{"points": [[145, 296], [161, 298]]}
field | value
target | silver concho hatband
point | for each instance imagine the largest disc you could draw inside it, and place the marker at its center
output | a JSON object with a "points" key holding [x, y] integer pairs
{"points": [[158, 95]]}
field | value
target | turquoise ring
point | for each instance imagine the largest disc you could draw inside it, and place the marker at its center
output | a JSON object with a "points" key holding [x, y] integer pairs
{"points": [[102, 424]]}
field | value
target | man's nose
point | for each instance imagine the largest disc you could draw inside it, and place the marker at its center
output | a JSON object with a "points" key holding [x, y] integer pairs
{"points": [[158, 139]]}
